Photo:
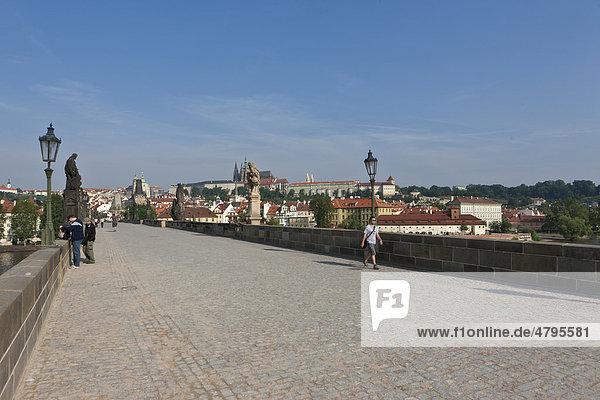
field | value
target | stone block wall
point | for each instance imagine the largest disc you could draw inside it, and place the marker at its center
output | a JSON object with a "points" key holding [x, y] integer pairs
{"points": [[556, 265], [26, 293]]}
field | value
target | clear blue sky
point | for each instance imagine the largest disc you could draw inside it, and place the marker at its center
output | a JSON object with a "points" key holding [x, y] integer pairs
{"points": [[443, 92]]}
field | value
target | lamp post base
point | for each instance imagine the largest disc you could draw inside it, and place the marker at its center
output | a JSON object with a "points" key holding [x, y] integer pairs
{"points": [[48, 236]]}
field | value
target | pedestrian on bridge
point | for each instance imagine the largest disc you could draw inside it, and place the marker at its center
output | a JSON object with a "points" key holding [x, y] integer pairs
{"points": [[114, 224], [89, 238], [76, 231], [371, 235]]}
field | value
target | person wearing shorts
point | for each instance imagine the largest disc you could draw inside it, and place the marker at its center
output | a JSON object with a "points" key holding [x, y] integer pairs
{"points": [[370, 236]]}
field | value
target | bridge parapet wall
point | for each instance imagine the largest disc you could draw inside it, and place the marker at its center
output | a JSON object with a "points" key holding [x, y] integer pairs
{"points": [[26, 293], [560, 266]]}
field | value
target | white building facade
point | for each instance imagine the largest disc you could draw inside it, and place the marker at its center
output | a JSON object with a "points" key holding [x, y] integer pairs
{"points": [[479, 207]]}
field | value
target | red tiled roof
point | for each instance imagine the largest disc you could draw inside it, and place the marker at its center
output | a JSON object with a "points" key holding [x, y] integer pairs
{"points": [[527, 218], [302, 207], [421, 210], [479, 200], [273, 210], [7, 207], [199, 212], [164, 213]]}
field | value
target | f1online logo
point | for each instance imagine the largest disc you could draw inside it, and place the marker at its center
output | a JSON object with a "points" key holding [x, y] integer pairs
{"points": [[388, 299]]}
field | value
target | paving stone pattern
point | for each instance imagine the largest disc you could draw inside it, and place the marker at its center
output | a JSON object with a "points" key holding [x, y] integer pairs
{"points": [[170, 314]]}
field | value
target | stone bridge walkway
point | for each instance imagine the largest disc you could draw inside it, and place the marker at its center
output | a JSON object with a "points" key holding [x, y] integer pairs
{"points": [[168, 314]]}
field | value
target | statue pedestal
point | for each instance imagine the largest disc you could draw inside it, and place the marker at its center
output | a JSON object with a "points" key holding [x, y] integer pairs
{"points": [[254, 209], [73, 204]]}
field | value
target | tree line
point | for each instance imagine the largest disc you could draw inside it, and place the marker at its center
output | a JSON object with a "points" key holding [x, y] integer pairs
{"points": [[551, 190]]}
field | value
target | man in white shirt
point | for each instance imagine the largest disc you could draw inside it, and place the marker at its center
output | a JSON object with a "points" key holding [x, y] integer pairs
{"points": [[371, 235]]}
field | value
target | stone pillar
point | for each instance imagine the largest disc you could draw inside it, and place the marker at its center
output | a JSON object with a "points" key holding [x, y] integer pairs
{"points": [[74, 204], [254, 209]]}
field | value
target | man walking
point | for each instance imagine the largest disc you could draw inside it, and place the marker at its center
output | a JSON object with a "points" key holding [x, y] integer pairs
{"points": [[371, 234], [76, 231], [89, 237]]}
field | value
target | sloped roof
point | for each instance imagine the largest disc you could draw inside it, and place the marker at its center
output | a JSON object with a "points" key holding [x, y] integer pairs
{"points": [[359, 203], [478, 200], [199, 212]]}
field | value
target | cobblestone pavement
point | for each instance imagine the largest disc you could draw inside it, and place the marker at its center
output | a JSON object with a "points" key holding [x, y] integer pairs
{"points": [[168, 314]]}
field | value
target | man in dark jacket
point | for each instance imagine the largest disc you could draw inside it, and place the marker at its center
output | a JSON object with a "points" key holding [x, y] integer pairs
{"points": [[89, 237], [76, 231]]}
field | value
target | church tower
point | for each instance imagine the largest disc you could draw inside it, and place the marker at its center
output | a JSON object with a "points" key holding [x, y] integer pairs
{"points": [[236, 174], [244, 173]]}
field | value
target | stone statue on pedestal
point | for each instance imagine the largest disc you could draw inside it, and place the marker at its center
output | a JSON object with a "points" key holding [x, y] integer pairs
{"points": [[73, 196], [148, 210], [253, 179], [72, 173], [253, 176], [178, 207]]}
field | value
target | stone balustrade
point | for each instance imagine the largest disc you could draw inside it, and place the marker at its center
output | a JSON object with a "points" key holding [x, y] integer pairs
{"points": [[26, 293]]}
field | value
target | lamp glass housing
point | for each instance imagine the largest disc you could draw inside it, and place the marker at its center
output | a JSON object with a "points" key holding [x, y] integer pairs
{"points": [[49, 145], [371, 165]]}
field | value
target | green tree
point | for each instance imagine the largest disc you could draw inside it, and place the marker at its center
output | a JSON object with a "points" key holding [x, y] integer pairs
{"points": [[502, 227], [152, 213], [352, 223], [571, 208], [3, 219], [595, 219], [241, 190], [464, 228], [215, 193], [130, 209], [322, 208], [57, 213], [141, 212], [573, 228], [195, 191], [584, 188], [438, 205], [24, 220], [274, 196], [273, 221], [243, 217]]}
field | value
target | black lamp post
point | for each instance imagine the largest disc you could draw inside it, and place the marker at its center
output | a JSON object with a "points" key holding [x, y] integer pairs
{"points": [[49, 145], [371, 165]]}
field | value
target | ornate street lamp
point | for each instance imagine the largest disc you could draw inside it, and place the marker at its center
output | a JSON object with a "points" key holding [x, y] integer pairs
{"points": [[371, 165], [49, 145]]}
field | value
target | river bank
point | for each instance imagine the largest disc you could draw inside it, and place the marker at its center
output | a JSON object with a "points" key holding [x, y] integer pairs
{"points": [[12, 255]]}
